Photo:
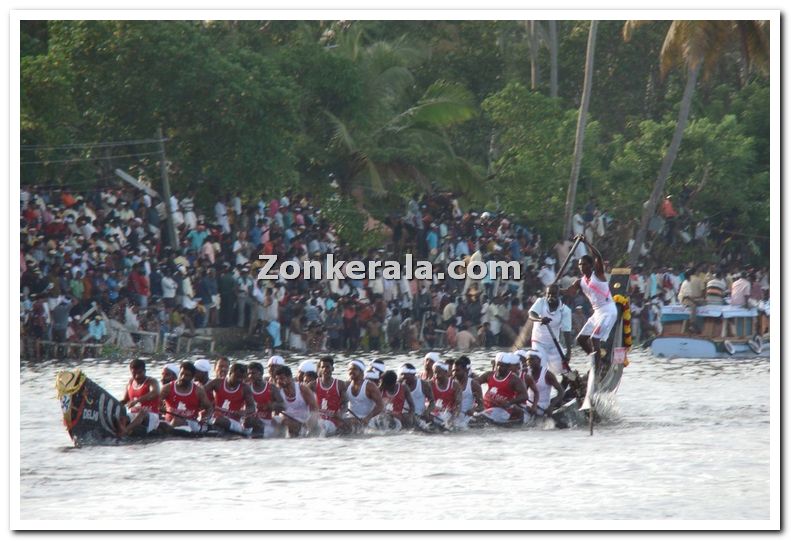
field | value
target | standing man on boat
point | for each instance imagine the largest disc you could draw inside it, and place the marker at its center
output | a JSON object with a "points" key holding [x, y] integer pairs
{"points": [[551, 318], [232, 400], [596, 288], [362, 396], [184, 399], [141, 399]]}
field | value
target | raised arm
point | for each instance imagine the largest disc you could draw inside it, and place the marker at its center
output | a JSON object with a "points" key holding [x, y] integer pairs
{"points": [[598, 260]]}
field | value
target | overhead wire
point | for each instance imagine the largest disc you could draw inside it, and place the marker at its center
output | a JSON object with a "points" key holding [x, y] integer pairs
{"points": [[95, 158], [106, 144]]}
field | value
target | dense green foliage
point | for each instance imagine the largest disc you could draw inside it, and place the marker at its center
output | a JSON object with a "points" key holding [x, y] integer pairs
{"points": [[389, 107]]}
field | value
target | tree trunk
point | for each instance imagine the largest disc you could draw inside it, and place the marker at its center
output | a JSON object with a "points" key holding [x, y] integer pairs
{"points": [[553, 59], [582, 119], [667, 163], [533, 55]]}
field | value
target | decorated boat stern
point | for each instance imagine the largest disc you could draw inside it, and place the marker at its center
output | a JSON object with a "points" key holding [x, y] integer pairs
{"points": [[90, 414]]}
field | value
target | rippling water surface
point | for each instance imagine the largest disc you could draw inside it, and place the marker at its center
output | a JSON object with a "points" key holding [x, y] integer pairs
{"points": [[684, 439]]}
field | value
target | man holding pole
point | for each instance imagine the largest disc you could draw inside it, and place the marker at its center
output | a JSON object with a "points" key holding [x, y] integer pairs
{"points": [[551, 318], [595, 286]]}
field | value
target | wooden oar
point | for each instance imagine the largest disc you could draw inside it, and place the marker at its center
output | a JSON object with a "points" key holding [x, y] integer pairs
{"points": [[568, 258]]}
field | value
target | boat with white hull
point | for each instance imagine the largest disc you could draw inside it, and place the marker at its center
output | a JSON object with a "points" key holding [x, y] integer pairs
{"points": [[724, 331]]}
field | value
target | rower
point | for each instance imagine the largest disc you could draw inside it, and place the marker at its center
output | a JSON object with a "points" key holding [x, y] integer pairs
{"points": [[301, 411], [447, 395], [202, 369], [595, 286], [544, 380], [551, 318], [233, 399], [428, 362], [271, 367], [141, 399], [221, 366], [307, 374], [364, 401], [505, 391], [420, 389], [331, 398], [170, 372], [267, 399], [184, 399], [395, 397], [471, 392]]}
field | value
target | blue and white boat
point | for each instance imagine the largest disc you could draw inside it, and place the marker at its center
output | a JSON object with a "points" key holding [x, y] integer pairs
{"points": [[724, 331]]}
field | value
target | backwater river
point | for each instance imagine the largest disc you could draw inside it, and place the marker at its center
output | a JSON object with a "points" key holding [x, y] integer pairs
{"points": [[683, 439]]}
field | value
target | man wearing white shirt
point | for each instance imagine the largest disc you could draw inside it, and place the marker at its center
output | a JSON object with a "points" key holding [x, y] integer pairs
{"points": [[548, 313], [221, 214]]}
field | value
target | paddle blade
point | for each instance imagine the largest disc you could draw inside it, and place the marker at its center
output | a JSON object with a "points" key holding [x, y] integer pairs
{"points": [[586, 405]]}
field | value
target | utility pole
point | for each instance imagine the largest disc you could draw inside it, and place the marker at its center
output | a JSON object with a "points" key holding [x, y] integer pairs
{"points": [[171, 228]]}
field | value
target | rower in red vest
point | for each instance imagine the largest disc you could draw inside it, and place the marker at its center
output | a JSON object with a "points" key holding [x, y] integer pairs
{"points": [[395, 396], [184, 400], [141, 399], [233, 399], [505, 390], [267, 399], [447, 393], [330, 396]]}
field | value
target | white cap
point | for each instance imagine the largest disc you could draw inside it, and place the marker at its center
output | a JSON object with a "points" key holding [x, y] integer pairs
{"points": [[522, 353], [404, 369], [535, 353], [275, 360], [377, 365], [373, 375], [509, 358], [358, 363], [441, 366], [173, 367], [433, 355], [499, 357], [203, 365], [307, 366]]}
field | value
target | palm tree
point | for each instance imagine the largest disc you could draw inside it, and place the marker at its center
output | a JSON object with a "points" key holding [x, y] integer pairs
{"points": [[698, 46], [582, 121], [395, 137]]}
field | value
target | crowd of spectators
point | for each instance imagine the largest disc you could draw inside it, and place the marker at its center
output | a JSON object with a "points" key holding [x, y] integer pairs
{"points": [[98, 266]]}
